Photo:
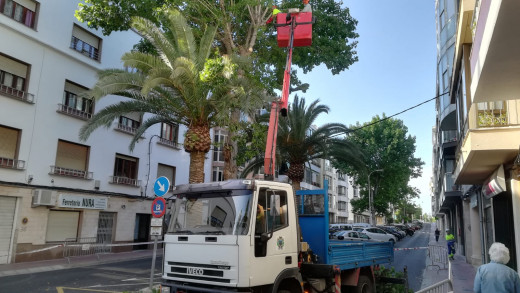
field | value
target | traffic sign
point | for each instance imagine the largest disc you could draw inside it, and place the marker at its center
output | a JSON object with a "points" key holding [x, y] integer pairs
{"points": [[161, 186], [158, 207]]}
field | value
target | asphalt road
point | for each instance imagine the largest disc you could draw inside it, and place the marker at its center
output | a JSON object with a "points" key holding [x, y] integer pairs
{"points": [[126, 276], [415, 259]]}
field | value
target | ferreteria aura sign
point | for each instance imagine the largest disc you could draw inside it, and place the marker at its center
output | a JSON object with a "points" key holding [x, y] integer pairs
{"points": [[82, 202]]}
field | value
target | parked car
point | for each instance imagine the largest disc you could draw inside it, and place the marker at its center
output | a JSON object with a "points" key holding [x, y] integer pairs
{"points": [[362, 225], [355, 236], [405, 228], [340, 226], [392, 231], [376, 233]]}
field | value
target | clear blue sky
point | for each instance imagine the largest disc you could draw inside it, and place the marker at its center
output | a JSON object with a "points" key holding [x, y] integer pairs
{"points": [[396, 70]]}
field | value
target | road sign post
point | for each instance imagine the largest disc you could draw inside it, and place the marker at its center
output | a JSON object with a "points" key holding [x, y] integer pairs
{"points": [[156, 225], [160, 188]]}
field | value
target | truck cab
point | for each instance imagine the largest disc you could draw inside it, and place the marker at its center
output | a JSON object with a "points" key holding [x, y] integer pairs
{"points": [[231, 235]]}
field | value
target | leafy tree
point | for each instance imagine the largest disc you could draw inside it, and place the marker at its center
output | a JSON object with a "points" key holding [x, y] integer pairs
{"points": [[299, 142], [242, 31], [180, 85], [387, 146]]}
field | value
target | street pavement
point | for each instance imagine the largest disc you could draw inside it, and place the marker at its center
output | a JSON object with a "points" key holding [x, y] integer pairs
{"points": [[463, 273]]}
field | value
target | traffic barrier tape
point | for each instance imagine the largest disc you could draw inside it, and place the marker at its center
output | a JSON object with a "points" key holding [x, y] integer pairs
{"points": [[410, 248], [82, 244]]}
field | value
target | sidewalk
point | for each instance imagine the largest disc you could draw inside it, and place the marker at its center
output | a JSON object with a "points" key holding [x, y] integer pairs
{"points": [[463, 273], [77, 261]]}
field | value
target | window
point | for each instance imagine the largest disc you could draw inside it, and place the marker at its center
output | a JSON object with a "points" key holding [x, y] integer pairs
{"points": [[72, 160], [9, 145], [75, 105], [129, 123], [218, 174], [271, 210], [219, 139], [23, 11], [169, 134], [62, 225], [168, 172], [85, 43], [13, 75], [126, 167]]}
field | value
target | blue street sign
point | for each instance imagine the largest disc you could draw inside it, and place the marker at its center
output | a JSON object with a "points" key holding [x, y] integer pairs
{"points": [[161, 186], [158, 207]]}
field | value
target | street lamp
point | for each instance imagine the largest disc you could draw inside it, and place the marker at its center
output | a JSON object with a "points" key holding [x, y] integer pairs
{"points": [[371, 210]]}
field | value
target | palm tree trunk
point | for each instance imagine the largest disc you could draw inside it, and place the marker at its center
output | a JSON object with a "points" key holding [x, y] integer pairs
{"points": [[197, 167]]}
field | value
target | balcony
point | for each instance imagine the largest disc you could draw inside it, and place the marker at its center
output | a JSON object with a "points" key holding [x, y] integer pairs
{"points": [[126, 129], [64, 109], [84, 48], [169, 143], [9, 163], [125, 181], [451, 193], [491, 139], [17, 94], [448, 117], [495, 55], [67, 172]]}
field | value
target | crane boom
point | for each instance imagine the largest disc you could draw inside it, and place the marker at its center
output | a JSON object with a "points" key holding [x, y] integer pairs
{"points": [[280, 106]]}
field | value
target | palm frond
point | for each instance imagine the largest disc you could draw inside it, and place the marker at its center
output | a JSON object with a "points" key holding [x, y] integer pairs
{"points": [[184, 39], [147, 29]]}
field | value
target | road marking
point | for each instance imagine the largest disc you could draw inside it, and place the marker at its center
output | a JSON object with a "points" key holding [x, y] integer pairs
{"points": [[61, 290], [410, 248]]}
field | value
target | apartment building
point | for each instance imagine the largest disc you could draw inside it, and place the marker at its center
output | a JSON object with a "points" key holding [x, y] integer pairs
{"points": [[484, 95], [53, 186]]}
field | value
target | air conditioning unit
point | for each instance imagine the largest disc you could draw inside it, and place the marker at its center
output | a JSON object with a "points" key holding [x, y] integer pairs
{"points": [[43, 197]]}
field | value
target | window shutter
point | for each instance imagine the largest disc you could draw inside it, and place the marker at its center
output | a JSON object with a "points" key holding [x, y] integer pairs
{"points": [[62, 225]]}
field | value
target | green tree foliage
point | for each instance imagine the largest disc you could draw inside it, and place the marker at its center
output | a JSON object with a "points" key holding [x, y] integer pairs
{"points": [[242, 30], [181, 85], [387, 146], [299, 142]]}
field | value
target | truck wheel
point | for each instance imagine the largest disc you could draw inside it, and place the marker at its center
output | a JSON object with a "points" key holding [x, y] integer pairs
{"points": [[364, 285]]}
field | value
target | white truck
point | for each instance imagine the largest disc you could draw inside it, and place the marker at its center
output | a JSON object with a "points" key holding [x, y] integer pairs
{"points": [[247, 236]]}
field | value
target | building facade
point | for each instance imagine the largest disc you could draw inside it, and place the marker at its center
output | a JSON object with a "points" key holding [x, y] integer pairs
{"points": [[53, 186], [484, 94]]}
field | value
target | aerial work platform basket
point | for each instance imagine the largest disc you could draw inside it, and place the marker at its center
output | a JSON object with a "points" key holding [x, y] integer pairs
{"points": [[302, 30]]}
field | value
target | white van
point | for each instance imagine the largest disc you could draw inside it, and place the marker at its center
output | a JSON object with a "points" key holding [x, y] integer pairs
{"points": [[340, 227]]}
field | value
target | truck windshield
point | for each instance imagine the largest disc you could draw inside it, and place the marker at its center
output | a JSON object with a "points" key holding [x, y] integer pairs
{"points": [[221, 213]]}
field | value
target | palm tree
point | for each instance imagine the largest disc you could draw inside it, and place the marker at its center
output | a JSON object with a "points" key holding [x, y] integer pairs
{"points": [[298, 141], [179, 85]]}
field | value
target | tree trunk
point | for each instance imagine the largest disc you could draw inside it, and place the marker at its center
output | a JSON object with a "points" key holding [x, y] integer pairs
{"points": [[197, 167], [230, 150]]}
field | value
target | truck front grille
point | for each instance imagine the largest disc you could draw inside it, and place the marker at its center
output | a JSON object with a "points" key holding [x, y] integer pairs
{"points": [[201, 272]]}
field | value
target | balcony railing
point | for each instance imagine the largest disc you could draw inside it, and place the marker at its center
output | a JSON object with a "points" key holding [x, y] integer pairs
{"points": [[17, 94], [125, 181], [126, 129], [449, 136], [12, 163], [497, 114], [55, 170], [169, 143], [73, 112], [84, 48], [449, 183]]}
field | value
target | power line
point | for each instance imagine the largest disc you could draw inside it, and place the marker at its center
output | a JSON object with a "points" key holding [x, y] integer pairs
{"points": [[386, 118]]}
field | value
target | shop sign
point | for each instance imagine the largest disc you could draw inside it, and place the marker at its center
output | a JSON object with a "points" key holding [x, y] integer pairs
{"points": [[495, 184], [82, 202]]}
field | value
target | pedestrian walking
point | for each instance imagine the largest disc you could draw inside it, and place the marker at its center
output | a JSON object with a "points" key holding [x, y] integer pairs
{"points": [[450, 239], [495, 276], [437, 234]]}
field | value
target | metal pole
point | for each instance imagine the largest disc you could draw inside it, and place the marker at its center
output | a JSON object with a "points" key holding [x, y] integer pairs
{"points": [[153, 261], [370, 200]]}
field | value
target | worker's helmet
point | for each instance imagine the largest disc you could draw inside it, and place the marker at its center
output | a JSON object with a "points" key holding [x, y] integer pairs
{"points": [[447, 230]]}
